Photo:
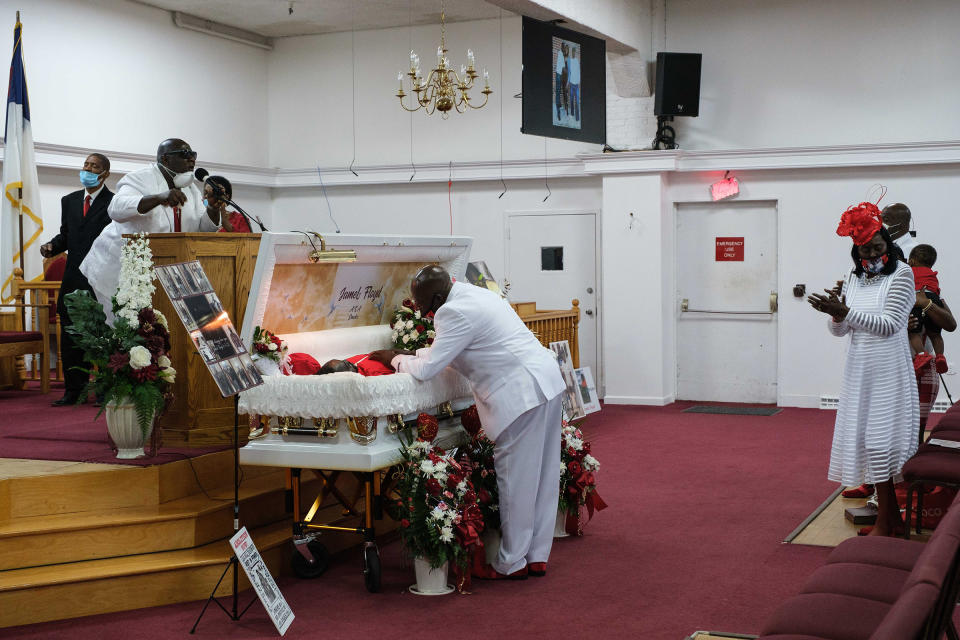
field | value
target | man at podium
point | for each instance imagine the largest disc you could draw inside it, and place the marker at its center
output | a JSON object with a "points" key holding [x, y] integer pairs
{"points": [[161, 198]]}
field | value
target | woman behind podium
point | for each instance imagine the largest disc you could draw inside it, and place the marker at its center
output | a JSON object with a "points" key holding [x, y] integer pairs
{"points": [[216, 194]]}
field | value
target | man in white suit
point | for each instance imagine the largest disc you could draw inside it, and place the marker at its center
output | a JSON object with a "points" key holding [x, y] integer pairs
{"points": [[517, 386], [161, 198]]}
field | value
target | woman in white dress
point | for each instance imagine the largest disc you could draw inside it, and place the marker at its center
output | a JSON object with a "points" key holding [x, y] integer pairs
{"points": [[878, 416]]}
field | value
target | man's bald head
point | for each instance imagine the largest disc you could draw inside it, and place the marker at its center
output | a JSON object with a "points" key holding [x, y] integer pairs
{"points": [[430, 288], [171, 144], [897, 218]]}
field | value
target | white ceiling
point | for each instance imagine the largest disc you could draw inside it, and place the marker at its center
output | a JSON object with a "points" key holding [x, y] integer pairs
{"points": [[271, 18]]}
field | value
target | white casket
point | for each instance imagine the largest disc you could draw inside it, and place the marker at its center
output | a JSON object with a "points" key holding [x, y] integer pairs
{"points": [[334, 309]]}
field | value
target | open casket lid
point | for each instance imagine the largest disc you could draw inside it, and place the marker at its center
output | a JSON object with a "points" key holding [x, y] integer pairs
{"points": [[291, 294]]}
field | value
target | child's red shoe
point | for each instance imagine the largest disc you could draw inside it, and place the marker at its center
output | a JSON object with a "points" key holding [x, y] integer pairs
{"points": [[921, 360]]}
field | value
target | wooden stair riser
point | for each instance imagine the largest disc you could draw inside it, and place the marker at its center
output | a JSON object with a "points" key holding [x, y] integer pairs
{"points": [[72, 600], [31, 549]]}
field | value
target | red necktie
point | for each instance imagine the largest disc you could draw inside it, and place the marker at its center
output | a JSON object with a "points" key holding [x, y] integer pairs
{"points": [[86, 205], [176, 219]]}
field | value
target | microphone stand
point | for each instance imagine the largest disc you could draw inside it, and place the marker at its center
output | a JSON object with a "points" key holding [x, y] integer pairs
{"points": [[221, 195]]}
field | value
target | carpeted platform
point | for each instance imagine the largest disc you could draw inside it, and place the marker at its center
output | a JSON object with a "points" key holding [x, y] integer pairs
{"points": [[693, 539], [33, 430], [734, 410]]}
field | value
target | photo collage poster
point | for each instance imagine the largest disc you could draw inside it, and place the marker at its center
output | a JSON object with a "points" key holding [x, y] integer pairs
{"points": [[588, 390], [571, 397], [479, 274], [209, 326]]}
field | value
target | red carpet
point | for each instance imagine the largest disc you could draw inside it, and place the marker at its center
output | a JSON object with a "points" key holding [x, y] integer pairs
{"points": [[699, 506], [33, 430]]}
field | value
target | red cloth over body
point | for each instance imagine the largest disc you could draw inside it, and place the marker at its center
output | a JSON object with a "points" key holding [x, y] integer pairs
{"points": [[368, 367], [304, 364], [926, 278]]}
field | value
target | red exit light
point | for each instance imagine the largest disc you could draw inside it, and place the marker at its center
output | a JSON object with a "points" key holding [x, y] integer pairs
{"points": [[726, 188]]}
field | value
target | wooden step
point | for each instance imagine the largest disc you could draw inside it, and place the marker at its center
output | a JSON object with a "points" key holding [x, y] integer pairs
{"points": [[178, 524], [72, 491], [118, 584]]}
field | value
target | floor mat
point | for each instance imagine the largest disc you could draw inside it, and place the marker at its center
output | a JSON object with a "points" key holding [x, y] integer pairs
{"points": [[740, 411]]}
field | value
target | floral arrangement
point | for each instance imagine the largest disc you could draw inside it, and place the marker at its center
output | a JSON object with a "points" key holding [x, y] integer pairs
{"points": [[269, 346], [578, 480], [130, 359], [411, 329], [477, 457], [440, 519]]}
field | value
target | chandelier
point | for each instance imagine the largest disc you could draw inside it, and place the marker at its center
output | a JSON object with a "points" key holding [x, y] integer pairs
{"points": [[444, 89]]}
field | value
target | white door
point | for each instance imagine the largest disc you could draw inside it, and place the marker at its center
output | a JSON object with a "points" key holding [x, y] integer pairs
{"points": [[552, 260], [726, 302]]}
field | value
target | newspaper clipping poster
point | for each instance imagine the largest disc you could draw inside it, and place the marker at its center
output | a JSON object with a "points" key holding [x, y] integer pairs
{"points": [[263, 583]]}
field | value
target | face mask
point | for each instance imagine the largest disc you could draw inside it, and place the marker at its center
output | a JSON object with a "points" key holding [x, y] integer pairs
{"points": [[876, 265], [180, 180], [89, 179]]}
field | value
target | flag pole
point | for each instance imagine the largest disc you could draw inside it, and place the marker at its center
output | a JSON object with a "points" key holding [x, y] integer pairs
{"points": [[23, 270]]}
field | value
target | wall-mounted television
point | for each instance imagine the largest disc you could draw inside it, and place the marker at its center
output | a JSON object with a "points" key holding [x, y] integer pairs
{"points": [[564, 83]]}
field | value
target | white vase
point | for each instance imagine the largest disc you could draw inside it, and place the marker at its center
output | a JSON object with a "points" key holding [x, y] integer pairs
{"points": [[124, 428], [560, 530], [266, 366], [491, 544], [430, 581]]}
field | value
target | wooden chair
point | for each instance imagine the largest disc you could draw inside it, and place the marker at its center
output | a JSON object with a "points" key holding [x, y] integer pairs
{"points": [[19, 342], [46, 291]]}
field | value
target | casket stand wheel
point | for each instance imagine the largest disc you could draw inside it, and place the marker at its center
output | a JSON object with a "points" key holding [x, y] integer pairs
{"points": [[371, 567], [313, 567]]}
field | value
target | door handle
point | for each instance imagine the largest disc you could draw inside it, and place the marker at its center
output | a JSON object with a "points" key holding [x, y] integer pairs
{"points": [[685, 308], [773, 302], [589, 312]]}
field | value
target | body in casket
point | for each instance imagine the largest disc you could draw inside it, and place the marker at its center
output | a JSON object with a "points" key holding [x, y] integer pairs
{"points": [[337, 310]]}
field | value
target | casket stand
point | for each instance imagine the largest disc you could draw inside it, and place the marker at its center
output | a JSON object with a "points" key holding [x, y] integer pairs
{"points": [[339, 424]]}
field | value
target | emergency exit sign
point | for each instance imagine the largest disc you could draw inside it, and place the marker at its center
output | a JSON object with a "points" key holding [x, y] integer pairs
{"points": [[729, 249]]}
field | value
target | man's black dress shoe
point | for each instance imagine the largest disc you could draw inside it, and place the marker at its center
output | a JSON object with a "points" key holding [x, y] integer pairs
{"points": [[68, 398]]}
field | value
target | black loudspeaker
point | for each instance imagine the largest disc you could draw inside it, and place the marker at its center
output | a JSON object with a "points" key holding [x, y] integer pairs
{"points": [[678, 84]]}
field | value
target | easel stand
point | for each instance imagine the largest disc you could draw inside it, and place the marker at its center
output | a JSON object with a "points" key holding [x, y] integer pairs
{"points": [[234, 562]]}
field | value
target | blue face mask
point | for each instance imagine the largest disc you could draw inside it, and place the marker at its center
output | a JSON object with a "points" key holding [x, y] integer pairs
{"points": [[89, 179]]}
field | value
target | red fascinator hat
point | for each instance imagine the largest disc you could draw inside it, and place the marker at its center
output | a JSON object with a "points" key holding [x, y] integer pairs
{"points": [[860, 222]]}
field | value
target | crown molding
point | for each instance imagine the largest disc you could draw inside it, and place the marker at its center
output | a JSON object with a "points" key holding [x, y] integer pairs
{"points": [[65, 157]]}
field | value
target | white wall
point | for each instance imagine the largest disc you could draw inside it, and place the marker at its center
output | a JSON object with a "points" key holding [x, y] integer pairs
{"points": [[778, 73], [119, 76], [312, 100], [810, 203], [423, 209]]}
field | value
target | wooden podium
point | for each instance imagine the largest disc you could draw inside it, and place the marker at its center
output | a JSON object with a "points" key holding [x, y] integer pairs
{"points": [[199, 416]]}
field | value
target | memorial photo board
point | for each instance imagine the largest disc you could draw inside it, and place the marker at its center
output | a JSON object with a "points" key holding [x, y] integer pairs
{"points": [[209, 326], [572, 400]]}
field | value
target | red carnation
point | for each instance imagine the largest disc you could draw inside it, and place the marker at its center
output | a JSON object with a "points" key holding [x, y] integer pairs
{"points": [[146, 374], [429, 315], [427, 427], [118, 361], [404, 523], [485, 497], [470, 419], [433, 487], [469, 496], [146, 316], [420, 328], [452, 481]]}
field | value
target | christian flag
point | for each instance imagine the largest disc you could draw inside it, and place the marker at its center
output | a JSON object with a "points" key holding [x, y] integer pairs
{"points": [[21, 192]]}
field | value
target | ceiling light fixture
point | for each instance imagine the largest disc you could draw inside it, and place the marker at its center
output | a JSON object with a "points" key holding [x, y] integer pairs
{"points": [[444, 89]]}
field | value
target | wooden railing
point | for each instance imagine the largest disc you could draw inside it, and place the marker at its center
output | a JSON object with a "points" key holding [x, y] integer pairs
{"points": [[553, 325]]}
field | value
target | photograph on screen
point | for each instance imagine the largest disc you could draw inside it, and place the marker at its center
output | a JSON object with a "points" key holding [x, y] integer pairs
{"points": [[196, 272], [566, 83], [202, 348]]}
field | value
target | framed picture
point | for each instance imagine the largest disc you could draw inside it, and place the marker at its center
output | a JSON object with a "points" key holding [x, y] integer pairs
{"points": [[571, 398], [588, 390], [479, 274]]}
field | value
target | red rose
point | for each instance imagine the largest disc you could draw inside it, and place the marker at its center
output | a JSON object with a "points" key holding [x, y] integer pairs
{"points": [[470, 419], [452, 481], [433, 487], [420, 328], [485, 497], [404, 523], [429, 315], [429, 341], [469, 497], [572, 491], [574, 467], [427, 427], [585, 449]]}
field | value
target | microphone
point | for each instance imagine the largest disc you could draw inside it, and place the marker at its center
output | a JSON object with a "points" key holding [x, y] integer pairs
{"points": [[203, 176]]}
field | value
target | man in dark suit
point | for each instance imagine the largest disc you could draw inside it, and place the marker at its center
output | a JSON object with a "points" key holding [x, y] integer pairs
{"points": [[83, 216]]}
